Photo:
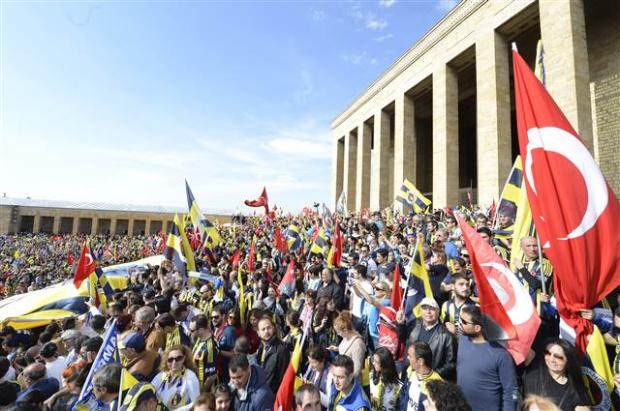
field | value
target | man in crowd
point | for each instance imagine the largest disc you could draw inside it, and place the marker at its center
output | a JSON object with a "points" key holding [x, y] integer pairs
{"points": [[273, 356], [347, 393], [251, 392], [429, 330], [307, 398], [485, 370], [140, 362]]}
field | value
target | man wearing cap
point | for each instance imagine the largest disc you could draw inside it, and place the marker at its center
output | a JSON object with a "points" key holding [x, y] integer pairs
{"points": [[69, 339], [428, 329], [140, 362]]}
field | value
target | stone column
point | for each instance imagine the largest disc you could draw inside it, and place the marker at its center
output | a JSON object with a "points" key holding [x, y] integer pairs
{"points": [[76, 225], [445, 137], [36, 224], [130, 226], [494, 143], [147, 226], [56, 225], [337, 169], [95, 226], [563, 31], [362, 180], [379, 195], [112, 226], [350, 168], [404, 142]]}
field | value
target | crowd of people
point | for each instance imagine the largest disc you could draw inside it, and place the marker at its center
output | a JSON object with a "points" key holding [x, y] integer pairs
{"points": [[226, 344]]}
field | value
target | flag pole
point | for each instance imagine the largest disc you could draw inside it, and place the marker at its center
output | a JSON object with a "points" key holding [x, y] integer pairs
{"points": [[415, 251]]}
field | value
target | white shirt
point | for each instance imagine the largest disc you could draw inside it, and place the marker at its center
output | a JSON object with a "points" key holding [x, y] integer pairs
{"points": [[357, 302], [56, 368], [179, 393]]}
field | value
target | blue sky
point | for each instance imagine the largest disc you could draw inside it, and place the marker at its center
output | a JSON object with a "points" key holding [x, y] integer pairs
{"points": [[120, 101]]}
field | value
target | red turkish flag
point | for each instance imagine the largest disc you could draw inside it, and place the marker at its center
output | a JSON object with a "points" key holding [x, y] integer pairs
{"points": [[287, 284], [262, 201], [575, 211], [337, 246], [251, 257], [502, 298], [85, 267], [279, 240], [397, 293]]}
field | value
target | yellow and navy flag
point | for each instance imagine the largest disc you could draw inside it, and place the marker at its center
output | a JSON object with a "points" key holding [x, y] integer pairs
{"points": [[319, 243], [174, 247], [523, 225], [418, 285], [208, 232], [242, 300], [412, 198], [293, 237], [187, 249], [509, 199]]}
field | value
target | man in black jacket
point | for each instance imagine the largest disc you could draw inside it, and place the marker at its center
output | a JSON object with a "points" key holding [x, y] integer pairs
{"points": [[428, 329], [273, 355], [330, 289]]}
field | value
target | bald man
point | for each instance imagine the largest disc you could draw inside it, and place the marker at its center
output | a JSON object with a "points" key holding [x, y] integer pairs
{"points": [[34, 377]]}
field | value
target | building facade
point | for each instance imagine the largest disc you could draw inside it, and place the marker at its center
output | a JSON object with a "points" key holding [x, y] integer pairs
{"points": [[18, 215], [443, 115]]}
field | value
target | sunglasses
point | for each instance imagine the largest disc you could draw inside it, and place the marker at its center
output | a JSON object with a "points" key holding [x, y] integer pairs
{"points": [[556, 356], [380, 289], [215, 317], [175, 359], [464, 322]]}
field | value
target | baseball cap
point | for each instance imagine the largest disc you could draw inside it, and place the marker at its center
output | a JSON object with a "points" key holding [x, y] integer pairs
{"points": [[430, 302], [135, 341], [70, 334]]}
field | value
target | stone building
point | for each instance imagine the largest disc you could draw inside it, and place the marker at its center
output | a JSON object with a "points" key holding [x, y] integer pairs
{"points": [[18, 215], [443, 115]]}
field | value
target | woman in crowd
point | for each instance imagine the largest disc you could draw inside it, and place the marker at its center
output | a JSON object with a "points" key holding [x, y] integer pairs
{"points": [[384, 383], [556, 374], [177, 385], [352, 343]]}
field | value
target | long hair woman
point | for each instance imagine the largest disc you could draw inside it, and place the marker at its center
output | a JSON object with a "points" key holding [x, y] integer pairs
{"points": [[556, 374], [384, 382], [177, 385], [352, 343]]}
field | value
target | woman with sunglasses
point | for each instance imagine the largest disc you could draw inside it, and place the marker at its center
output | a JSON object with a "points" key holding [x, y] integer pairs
{"points": [[556, 374], [177, 385]]}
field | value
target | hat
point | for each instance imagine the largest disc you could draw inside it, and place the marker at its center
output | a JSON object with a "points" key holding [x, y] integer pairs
{"points": [[149, 294], [135, 341], [49, 350], [69, 335], [429, 301]]}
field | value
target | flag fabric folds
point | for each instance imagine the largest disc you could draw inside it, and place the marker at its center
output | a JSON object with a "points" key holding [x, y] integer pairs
{"points": [[293, 237], [388, 331], [252, 256], [575, 211], [209, 234], [287, 284], [502, 298], [335, 253], [341, 205], [523, 225], [290, 381], [174, 247], [261, 201], [412, 198], [326, 216], [509, 198], [86, 266], [108, 354], [319, 242], [418, 284], [279, 241]]}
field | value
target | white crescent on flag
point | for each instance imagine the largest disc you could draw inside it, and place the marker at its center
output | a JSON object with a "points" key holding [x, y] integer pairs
{"points": [[564, 143]]}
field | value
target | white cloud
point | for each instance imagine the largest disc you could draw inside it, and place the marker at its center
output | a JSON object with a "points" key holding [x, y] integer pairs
{"points": [[300, 148], [381, 39], [446, 5], [375, 23], [386, 3], [361, 58]]}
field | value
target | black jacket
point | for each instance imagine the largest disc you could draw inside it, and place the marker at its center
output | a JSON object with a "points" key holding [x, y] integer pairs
{"points": [[273, 359], [442, 345], [259, 397], [331, 290]]}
